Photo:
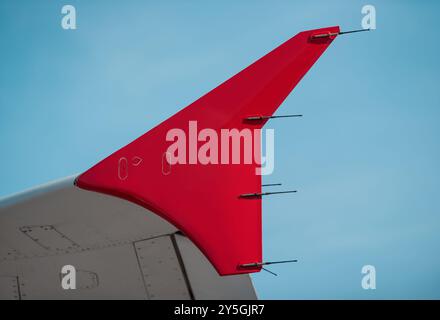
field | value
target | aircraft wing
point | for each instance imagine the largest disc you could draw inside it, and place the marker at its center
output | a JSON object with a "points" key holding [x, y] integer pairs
{"points": [[134, 230]]}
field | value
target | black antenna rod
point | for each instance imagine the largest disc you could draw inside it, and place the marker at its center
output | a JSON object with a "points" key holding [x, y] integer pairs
{"points": [[354, 31], [260, 264], [271, 272], [271, 184], [253, 195], [273, 117], [278, 262], [332, 34]]}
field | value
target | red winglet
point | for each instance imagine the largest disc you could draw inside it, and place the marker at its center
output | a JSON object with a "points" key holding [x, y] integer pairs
{"points": [[203, 201]]}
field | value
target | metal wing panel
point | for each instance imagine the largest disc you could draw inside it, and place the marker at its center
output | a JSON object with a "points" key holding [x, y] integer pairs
{"points": [[119, 249]]}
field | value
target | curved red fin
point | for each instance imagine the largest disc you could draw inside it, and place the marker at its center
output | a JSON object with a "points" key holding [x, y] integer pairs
{"points": [[203, 201]]}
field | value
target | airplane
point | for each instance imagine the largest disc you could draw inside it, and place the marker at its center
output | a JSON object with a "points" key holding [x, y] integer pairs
{"points": [[136, 226]]}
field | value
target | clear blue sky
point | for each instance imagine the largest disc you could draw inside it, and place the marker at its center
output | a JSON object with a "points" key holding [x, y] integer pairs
{"points": [[365, 156]]}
